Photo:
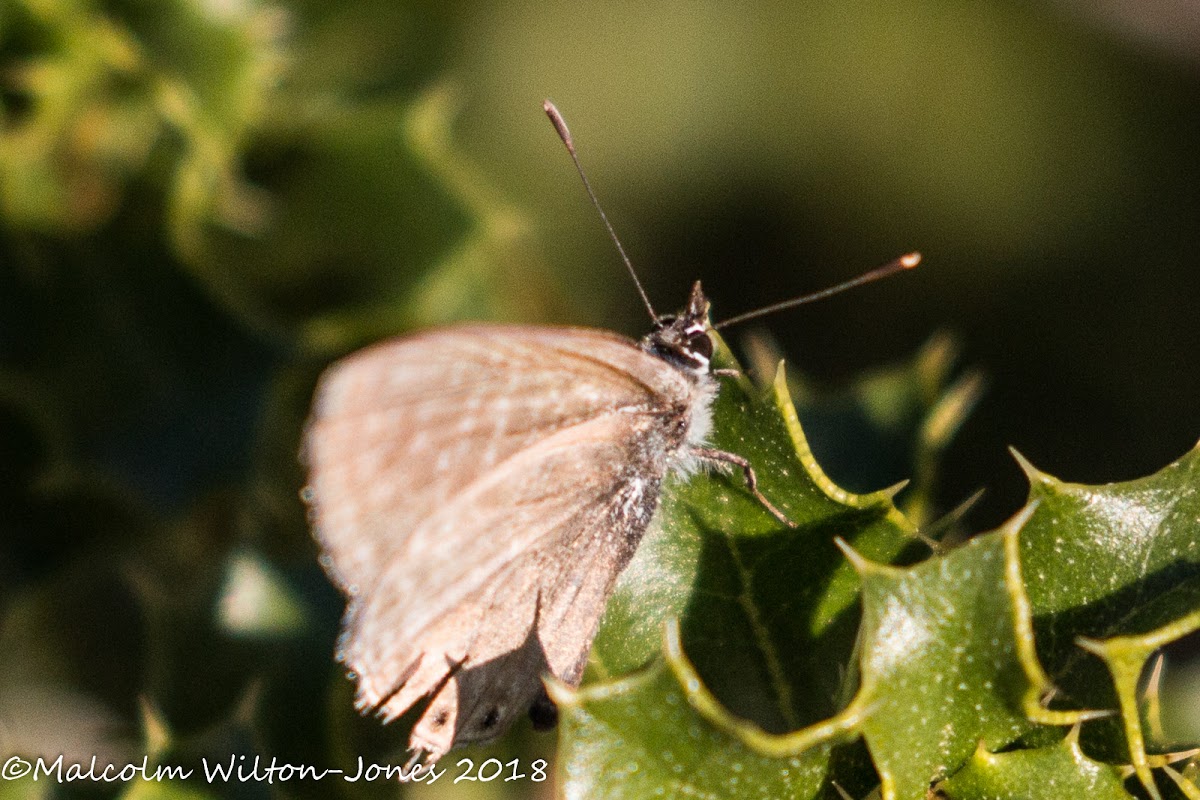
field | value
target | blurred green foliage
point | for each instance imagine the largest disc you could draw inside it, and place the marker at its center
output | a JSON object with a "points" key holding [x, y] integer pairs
{"points": [[202, 202]]}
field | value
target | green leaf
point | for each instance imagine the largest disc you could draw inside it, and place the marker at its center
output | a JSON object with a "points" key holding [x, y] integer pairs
{"points": [[1114, 559], [1048, 773], [306, 203], [940, 668], [767, 611], [103, 85], [889, 424], [1126, 658], [1117, 560], [355, 221], [371, 224], [946, 655], [639, 737], [1105, 548]]}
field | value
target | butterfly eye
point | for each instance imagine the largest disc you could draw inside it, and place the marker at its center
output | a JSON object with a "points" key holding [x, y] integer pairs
{"points": [[700, 345]]}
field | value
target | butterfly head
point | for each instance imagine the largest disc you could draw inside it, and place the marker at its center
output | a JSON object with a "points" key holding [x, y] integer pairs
{"points": [[682, 338]]}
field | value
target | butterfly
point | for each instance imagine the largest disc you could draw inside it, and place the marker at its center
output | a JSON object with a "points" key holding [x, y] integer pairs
{"points": [[477, 489]]}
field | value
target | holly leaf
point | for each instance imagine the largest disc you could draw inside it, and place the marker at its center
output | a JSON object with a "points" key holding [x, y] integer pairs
{"points": [[767, 650], [1116, 559], [640, 737], [762, 606], [940, 668], [767, 613], [1044, 773]]}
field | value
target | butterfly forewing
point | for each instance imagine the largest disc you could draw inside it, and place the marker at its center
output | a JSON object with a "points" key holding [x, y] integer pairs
{"points": [[476, 491], [400, 427]]}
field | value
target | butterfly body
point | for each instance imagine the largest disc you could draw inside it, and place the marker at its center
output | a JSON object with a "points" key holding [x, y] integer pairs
{"points": [[476, 490]]}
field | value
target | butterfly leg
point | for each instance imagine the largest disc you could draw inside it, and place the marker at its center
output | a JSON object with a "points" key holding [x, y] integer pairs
{"points": [[710, 454]]}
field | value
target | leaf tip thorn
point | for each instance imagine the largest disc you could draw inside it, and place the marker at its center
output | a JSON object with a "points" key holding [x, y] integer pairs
{"points": [[560, 693], [1032, 473], [857, 560]]}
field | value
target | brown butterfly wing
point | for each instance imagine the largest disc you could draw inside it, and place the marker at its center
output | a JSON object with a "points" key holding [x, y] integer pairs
{"points": [[464, 481], [566, 530], [398, 428]]}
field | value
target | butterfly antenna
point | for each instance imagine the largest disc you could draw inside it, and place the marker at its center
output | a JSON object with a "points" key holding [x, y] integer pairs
{"points": [[904, 262], [560, 125]]}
